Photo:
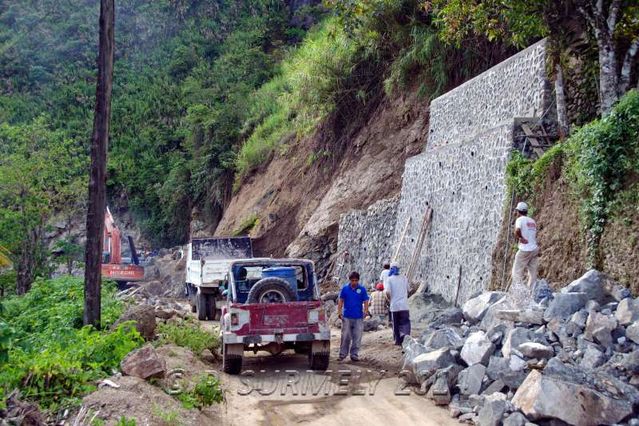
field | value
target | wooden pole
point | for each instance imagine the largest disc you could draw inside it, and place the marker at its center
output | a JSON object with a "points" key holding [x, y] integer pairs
{"points": [[97, 178], [401, 240]]}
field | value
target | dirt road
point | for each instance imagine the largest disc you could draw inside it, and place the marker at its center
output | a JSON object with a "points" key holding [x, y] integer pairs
{"points": [[279, 391]]}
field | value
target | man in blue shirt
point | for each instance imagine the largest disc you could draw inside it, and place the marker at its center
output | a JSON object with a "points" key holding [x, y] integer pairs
{"points": [[351, 309]]}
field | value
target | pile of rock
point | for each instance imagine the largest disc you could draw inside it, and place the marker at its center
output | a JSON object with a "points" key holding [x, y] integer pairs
{"points": [[571, 358]]}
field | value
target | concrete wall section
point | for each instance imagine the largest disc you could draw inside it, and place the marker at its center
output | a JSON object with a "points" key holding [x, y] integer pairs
{"points": [[514, 88], [465, 186], [368, 236], [461, 173]]}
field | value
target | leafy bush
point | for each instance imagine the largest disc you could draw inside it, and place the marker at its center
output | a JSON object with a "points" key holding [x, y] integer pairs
{"points": [[603, 157], [600, 162], [206, 391], [52, 358], [188, 334]]}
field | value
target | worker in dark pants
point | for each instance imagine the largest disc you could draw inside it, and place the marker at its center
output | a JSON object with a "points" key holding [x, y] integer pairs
{"points": [[397, 290], [352, 307]]}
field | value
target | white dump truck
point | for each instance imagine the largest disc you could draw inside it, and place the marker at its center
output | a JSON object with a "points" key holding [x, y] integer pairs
{"points": [[207, 266]]}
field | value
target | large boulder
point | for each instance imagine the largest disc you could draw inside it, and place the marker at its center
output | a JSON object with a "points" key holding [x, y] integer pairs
{"points": [[632, 332], [591, 283], [627, 311], [144, 317], [493, 410], [444, 337], [477, 349], [575, 397], [470, 379], [599, 328], [449, 316], [563, 305], [536, 350], [426, 364], [475, 308], [514, 338], [144, 363]]}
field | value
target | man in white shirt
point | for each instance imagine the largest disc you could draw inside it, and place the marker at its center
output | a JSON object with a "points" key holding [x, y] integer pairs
{"points": [[527, 257], [397, 291]]}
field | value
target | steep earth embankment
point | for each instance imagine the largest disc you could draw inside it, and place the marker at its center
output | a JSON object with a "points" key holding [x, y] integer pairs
{"points": [[298, 197], [562, 242]]}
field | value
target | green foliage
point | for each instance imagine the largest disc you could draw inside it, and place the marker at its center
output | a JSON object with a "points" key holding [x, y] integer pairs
{"points": [[125, 421], [168, 417], [247, 225], [524, 176], [600, 162], [603, 156], [40, 171], [517, 23], [188, 334], [52, 357], [206, 391]]}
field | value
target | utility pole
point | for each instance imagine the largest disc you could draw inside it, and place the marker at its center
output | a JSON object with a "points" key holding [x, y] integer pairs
{"points": [[97, 178]]}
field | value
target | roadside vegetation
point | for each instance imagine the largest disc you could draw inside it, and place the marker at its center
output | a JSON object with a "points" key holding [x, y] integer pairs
{"points": [[47, 354], [600, 161]]}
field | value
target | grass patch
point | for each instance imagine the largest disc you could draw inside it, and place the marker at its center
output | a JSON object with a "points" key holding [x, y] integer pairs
{"points": [[310, 81], [188, 334], [205, 392], [247, 225]]}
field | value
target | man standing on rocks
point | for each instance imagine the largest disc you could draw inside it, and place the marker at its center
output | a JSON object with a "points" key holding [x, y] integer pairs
{"points": [[397, 290], [351, 309], [527, 257]]}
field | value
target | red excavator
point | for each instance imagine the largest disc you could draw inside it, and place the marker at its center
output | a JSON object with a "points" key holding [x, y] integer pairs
{"points": [[113, 267]]}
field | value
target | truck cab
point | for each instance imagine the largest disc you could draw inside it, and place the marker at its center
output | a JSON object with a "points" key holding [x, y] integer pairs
{"points": [[273, 305]]}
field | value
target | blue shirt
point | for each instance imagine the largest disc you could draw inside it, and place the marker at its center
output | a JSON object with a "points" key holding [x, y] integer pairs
{"points": [[353, 300]]}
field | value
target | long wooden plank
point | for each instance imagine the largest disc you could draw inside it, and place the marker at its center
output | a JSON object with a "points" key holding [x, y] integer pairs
{"points": [[420, 242], [401, 240]]}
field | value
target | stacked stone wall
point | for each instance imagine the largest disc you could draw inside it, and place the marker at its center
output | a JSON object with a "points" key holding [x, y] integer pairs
{"points": [[461, 173], [368, 236], [461, 176]]}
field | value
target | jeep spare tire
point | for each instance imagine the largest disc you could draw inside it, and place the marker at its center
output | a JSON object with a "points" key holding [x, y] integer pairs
{"points": [[271, 290]]}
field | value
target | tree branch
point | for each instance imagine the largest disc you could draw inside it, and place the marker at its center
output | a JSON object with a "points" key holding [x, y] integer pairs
{"points": [[626, 68], [613, 14]]}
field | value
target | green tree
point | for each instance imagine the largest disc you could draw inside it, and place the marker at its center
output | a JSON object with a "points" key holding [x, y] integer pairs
{"points": [[36, 165]]}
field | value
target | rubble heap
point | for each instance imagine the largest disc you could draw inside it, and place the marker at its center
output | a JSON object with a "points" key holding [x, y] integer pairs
{"points": [[570, 357]]}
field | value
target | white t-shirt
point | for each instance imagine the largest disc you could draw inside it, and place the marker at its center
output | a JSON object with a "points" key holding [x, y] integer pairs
{"points": [[528, 229], [397, 285], [383, 277]]}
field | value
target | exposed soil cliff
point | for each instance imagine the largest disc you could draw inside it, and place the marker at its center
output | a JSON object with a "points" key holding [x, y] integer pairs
{"points": [[296, 199]]}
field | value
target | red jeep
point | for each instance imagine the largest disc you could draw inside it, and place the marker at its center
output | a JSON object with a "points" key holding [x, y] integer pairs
{"points": [[273, 305]]}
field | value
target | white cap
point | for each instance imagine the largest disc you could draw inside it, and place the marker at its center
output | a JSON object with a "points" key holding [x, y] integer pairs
{"points": [[522, 207], [394, 265]]}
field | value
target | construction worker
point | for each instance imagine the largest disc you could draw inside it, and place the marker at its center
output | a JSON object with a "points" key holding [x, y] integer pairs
{"points": [[527, 257], [384, 275], [397, 290], [352, 307], [379, 303]]}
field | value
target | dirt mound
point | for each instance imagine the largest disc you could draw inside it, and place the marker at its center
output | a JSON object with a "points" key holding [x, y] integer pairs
{"points": [[562, 242], [148, 401]]}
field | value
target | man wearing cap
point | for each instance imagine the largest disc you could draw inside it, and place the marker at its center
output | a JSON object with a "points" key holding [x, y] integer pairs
{"points": [[379, 303], [397, 290], [527, 257]]}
